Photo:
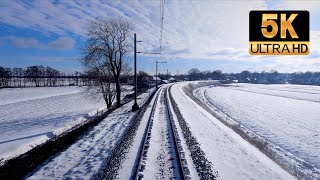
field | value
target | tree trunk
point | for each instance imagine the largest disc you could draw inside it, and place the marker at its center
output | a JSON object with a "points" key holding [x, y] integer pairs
{"points": [[118, 90], [109, 89], [109, 103]]}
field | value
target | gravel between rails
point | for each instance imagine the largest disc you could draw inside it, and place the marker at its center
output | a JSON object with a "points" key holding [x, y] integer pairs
{"points": [[203, 165]]}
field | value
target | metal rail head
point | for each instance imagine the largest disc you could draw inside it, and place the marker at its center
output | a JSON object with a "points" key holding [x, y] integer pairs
{"points": [[175, 136], [145, 135]]}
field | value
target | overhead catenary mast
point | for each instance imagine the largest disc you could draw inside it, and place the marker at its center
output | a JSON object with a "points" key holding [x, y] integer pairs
{"points": [[160, 39]]}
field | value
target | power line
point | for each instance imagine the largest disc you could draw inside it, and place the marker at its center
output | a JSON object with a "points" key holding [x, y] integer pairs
{"points": [[161, 22]]}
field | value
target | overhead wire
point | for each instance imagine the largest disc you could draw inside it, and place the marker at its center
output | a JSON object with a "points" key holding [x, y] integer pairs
{"points": [[161, 23]]}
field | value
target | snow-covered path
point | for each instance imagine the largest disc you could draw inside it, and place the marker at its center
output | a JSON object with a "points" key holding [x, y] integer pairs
{"points": [[232, 156], [82, 159]]}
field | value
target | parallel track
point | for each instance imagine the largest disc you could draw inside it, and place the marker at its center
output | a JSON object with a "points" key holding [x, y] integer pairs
{"points": [[179, 154]]}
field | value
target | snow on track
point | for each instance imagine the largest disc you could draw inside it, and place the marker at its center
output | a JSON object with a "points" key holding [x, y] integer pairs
{"points": [[160, 160], [129, 162], [132, 158], [289, 123], [232, 156], [82, 159]]}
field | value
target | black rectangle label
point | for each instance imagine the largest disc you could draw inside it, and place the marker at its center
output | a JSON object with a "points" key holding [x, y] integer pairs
{"points": [[300, 24], [279, 32]]}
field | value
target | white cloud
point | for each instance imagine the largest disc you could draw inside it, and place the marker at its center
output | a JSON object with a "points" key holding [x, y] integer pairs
{"points": [[310, 5], [21, 42], [62, 43], [193, 28], [213, 29]]}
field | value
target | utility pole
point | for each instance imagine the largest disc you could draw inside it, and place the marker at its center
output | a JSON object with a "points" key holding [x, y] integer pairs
{"points": [[156, 74], [135, 105], [157, 71]]}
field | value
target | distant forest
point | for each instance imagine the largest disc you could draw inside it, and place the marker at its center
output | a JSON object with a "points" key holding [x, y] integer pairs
{"points": [[40, 76], [264, 77]]}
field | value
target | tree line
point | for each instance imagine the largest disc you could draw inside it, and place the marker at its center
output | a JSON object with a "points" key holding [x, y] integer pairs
{"points": [[263, 77], [40, 76]]}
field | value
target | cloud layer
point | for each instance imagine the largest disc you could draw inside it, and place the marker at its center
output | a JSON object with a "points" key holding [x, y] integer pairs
{"points": [[62, 43], [213, 30]]}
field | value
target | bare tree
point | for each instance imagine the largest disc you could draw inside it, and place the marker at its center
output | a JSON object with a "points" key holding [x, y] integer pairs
{"points": [[33, 73], [102, 84], [194, 74], [18, 75], [51, 76], [107, 48], [5, 76]]}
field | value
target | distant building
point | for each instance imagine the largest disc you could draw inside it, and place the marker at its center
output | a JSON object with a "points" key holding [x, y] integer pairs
{"points": [[154, 80], [172, 79], [150, 81], [165, 81]]}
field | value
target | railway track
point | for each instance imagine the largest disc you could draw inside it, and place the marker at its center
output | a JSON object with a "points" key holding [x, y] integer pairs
{"points": [[161, 154]]}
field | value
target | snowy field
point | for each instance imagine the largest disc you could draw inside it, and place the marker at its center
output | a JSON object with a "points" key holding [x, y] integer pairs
{"points": [[84, 158], [286, 115], [231, 156], [30, 116]]}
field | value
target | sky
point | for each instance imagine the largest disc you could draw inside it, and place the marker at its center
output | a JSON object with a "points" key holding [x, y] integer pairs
{"points": [[207, 35]]}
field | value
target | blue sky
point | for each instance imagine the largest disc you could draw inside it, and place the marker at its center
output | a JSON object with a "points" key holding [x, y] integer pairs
{"points": [[208, 35]]}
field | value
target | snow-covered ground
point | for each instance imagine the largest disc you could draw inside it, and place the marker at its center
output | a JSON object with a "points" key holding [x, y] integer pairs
{"points": [[298, 92], [232, 156], [13, 95], [286, 115], [82, 159], [30, 116]]}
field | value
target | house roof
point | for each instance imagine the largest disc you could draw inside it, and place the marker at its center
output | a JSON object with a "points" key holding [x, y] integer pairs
{"points": [[156, 78]]}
